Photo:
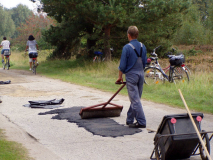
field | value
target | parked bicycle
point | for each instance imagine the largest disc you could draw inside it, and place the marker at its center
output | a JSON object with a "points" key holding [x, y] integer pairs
{"points": [[178, 72], [6, 62], [99, 56]]}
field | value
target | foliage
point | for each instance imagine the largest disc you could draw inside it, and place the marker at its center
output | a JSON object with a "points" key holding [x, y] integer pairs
{"points": [[101, 22], [19, 14], [34, 25], [197, 25], [7, 27]]}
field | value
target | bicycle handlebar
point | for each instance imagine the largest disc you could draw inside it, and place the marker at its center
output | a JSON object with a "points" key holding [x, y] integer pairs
{"points": [[157, 47]]}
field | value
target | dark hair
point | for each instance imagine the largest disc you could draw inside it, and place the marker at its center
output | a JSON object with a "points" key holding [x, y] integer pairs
{"points": [[31, 38], [4, 38]]}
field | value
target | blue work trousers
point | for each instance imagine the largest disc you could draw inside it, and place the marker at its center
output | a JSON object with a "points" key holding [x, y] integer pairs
{"points": [[134, 83]]}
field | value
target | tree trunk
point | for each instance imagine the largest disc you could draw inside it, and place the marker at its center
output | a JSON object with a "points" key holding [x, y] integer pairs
{"points": [[90, 44], [107, 51]]}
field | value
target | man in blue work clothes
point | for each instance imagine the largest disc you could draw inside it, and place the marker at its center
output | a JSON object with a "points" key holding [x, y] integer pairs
{"points": [[132, 64]]}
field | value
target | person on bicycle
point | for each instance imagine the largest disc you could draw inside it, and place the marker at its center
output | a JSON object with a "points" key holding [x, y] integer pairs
{"points": [[32, 48], [5, 44], [132, 64]]}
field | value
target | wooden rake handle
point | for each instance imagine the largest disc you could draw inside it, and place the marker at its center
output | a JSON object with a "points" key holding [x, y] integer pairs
{"points": [[195, 127]]}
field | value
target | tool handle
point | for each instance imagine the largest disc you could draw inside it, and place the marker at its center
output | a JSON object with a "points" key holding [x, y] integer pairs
{"points": [[120, 82], [123, 84], [198, 133]]}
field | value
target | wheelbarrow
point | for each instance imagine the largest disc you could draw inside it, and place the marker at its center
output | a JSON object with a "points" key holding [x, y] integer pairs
{"points": [[176, 138]]}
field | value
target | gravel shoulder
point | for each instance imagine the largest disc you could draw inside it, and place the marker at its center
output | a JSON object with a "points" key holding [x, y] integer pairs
{"points": [[50, 139]]}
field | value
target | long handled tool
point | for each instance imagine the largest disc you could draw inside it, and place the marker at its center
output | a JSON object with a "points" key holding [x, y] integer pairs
{"points": [[101, 110], [198, 133]]}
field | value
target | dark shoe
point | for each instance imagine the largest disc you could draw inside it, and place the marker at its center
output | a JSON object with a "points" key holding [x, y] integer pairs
{"points": [[127, 123], [136, 125]]}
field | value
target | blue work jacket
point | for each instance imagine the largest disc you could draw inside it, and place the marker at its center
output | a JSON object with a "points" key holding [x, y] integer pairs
{"points": [[129, 57]]}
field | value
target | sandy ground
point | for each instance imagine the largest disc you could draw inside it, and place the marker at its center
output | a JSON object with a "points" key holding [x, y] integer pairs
{"points": [[48, 139]]}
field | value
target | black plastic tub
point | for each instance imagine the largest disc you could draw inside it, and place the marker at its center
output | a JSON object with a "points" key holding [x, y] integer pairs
{"points": [[178, 146]]}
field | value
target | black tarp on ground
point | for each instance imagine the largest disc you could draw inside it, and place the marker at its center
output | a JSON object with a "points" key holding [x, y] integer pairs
{"points": [[104, 127], [46, 104], [5, 82], [44, 107]]}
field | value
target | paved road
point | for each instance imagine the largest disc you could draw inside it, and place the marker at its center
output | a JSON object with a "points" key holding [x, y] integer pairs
{"points": [[51, 139]]}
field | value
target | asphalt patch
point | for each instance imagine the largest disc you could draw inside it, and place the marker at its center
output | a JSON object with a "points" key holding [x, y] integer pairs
{"points": [[104, 127]]}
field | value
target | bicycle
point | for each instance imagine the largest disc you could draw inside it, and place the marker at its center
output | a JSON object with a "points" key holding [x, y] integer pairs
{"points": [[98, 56], [178, 72], [33, 55], [6, 62]]}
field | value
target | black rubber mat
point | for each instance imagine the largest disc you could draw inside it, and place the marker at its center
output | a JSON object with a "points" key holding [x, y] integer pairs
{"points": [[5, 82], [104, 127], [44, 106]]}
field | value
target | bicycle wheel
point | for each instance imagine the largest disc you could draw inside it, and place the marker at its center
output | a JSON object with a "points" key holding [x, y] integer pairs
{"points": [[34, 67], [180, 75], [7, 63], [188, 70], [95, 59], [3, 64], [153, 75]]}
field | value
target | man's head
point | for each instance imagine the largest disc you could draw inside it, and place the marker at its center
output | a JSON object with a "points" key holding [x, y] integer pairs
{"points": [[132, 32], [4, 38]]}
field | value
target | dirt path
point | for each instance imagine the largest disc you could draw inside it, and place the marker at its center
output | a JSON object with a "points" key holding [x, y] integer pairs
{"points": [[50, 139]]}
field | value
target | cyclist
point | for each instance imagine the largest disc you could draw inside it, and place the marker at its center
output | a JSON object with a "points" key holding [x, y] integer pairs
{"points": [[32, 47], [5, 44]]}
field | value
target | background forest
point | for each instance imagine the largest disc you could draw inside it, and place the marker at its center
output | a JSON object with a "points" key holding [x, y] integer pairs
{"points": [[80, 27]]}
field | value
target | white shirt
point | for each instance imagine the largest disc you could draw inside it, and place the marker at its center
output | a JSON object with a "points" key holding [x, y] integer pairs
{"points": [[5, 44], [32, 46]]}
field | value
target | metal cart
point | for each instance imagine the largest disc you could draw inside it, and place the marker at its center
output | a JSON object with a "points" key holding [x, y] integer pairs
{"points": [[176, 138]]}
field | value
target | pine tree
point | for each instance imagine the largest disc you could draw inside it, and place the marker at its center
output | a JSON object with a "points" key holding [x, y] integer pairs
{"points": [[102, 16]]}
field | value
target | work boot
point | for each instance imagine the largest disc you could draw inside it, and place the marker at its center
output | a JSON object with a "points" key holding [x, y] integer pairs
{"points": [[136, 125]]}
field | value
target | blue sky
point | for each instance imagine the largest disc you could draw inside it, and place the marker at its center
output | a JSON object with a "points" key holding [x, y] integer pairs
{"points": [[13, 3]]}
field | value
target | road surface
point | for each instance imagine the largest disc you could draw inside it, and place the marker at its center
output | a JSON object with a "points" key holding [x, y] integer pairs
{"points": [[52, 139]]}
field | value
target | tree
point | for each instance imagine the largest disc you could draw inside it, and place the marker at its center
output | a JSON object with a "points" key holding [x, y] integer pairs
{"points": [[19, 15], [100, 17], [7, 26], [34, 25]]}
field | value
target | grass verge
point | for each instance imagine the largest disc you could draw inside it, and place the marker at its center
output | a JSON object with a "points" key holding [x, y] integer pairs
{"points": [[11, 150], [198, 93]]}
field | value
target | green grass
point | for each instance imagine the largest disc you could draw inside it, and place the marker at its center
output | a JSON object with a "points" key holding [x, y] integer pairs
{"points": [[11, 150], [198, 93]]}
